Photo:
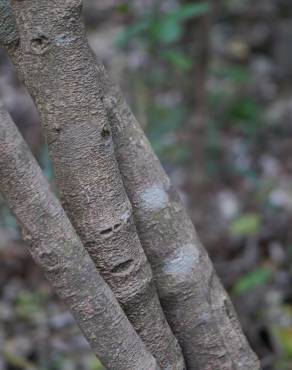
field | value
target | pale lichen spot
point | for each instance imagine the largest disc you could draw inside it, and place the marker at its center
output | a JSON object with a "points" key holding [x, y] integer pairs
{"points": [[154, 198], [182, 262], [64, 39], [125, 216]]}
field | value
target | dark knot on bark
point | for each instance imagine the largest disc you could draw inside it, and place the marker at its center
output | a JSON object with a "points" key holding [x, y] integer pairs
{"points": [[39, 44]]}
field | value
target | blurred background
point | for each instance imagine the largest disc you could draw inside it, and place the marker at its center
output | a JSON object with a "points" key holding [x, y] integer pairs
{"points": [[211, 83]]}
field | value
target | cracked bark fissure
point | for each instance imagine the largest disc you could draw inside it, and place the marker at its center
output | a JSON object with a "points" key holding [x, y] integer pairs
{"points": [[57, 249], [58, 68]]}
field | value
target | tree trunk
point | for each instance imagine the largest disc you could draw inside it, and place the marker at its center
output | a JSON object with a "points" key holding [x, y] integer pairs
{"points": [[59, 71], [196, 305], [57, 249]]}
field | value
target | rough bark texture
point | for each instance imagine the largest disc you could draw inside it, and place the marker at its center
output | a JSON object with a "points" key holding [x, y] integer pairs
{"points": [[56, 247], [196, 305], [8, 30], [59, 70]]}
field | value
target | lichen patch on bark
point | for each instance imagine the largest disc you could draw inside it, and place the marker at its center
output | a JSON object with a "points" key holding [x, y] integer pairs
{"points": [[154, 198]]}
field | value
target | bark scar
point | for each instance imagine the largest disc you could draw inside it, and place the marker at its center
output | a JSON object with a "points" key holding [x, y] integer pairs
{"points": [[122, 267], [107, 232], [40, 44], [106, 132], [110, 230]]}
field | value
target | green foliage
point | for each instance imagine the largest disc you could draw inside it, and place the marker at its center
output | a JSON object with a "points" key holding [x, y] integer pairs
{"points": [[245, 113], [245, 109], [166, 30], [188, 11], [232, 106], [162, 28], [161, 34], [163, 124], [132, 32], [123, 8], [253, 279], [17, 362], [61, 361], [56, 363], [178, 59], [246, 225], [233, 73], [94, 364], [29, 306], [169, 28], [284, 339]]}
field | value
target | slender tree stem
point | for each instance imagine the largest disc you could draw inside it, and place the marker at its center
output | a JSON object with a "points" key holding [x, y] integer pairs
{"points": [[196, 305], [57, 249], [59, 71]]}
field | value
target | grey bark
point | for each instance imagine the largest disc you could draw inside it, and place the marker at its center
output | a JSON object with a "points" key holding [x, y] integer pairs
{"points": [[59, 71], [57, 249], [196, 305]]}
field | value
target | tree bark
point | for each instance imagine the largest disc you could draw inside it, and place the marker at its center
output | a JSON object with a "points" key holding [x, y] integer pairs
{"points": [[8, 31], [59, 71], [194, 300], [57, 249], [196, 305]]}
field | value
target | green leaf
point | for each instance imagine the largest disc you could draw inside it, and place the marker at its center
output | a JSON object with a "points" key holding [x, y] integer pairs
{"points": [[253, 279], [95, 364], [17, 361], [123, 8], [284, 338], [163, 28], [167, 30], [189, 11], [178, 59], [136, 30], [245, 109], [246, 225], [233, 73], [29, 305]]}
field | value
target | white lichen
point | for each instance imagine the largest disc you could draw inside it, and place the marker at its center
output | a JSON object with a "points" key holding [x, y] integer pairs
{"points": [[154, 198], [182, 262], [126, 215], [64, 39]]}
